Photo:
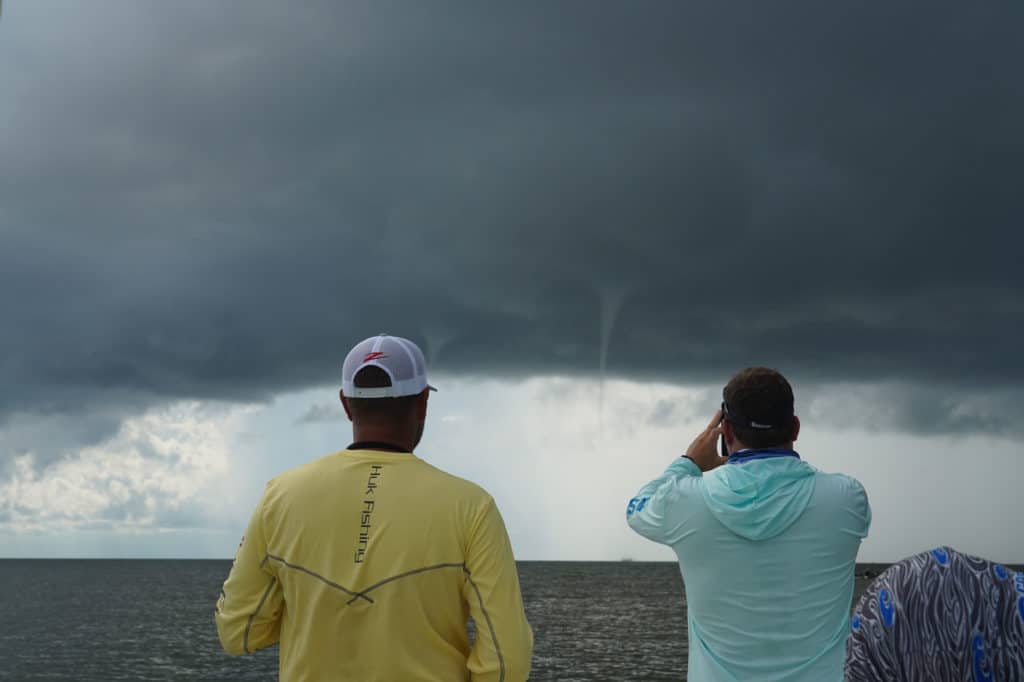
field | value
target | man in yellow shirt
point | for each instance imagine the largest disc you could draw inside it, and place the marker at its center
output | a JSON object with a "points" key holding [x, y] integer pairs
{"points": [[366, 564]]}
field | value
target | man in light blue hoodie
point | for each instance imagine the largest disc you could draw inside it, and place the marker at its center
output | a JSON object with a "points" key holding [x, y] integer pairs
{"points": [[766, 543]]}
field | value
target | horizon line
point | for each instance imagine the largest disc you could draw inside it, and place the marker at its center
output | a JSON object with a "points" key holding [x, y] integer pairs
{"points": [[865, 564]]}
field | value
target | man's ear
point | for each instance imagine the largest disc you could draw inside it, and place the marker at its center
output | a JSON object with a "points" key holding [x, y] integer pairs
{"points": [[421, 405], [730, 437], [344, 403], [796, 427]]}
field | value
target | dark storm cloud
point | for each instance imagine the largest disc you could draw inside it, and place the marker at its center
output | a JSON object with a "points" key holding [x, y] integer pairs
{"points": [[217, 200]]}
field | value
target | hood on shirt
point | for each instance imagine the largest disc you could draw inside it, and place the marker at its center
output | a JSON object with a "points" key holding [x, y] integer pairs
{"points": [[758, 500]]}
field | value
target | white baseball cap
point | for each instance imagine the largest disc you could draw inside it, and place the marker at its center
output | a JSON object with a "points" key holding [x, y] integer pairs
{"points": [[401, 360]]}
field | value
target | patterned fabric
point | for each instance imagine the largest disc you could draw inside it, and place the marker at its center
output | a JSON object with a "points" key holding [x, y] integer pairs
{"points": [[937, 616]]}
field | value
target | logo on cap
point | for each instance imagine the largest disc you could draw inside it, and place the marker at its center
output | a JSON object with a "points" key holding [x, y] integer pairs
{"points": [[375, 355]]}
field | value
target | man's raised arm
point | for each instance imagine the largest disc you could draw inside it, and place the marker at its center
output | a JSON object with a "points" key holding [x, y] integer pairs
{"points": [[659, 511]]}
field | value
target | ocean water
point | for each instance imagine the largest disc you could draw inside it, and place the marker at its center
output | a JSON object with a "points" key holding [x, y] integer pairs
{"points": [[109, 620]]}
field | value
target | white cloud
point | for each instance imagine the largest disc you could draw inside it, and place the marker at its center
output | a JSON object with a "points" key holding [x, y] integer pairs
{"points": [[163, 469], [561, 461]]}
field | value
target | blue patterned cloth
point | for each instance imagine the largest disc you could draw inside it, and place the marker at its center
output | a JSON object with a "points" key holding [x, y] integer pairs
{"points": [[937, 616]]}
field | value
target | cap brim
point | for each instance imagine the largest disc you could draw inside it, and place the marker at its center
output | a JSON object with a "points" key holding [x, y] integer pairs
{"points": [[429, 387]]}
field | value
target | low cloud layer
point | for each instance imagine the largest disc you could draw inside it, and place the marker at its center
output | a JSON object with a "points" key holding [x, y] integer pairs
{"points": [[165, 469], [216, 202]]}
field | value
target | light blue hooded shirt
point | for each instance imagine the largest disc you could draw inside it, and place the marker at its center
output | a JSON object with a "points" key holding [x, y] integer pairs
{"points": [[766, 546]]}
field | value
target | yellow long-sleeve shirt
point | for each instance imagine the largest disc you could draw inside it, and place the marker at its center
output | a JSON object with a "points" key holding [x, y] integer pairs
{"points": [[365, 565]]}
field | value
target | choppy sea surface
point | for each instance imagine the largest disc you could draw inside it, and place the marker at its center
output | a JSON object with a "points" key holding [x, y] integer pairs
{"points": [[108, 620]]}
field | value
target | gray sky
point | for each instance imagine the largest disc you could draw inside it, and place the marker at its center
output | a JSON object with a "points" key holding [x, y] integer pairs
{"points": [[213, 202]]}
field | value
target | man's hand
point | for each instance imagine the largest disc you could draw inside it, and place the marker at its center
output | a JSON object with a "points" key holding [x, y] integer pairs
{"points": [[703, 450]]}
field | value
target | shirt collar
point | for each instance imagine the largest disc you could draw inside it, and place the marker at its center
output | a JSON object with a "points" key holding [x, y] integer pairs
{"points": [[376, 445], [751, 454]]}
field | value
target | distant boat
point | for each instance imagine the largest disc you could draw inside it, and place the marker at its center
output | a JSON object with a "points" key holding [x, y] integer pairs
{"points": [[626, 558]]}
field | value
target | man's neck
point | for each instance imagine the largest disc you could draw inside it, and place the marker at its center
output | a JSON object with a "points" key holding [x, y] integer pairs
{"points": [[372, 433]]}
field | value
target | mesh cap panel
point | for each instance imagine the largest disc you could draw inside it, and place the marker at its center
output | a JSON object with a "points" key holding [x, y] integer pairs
{"points": [[399, 358]]}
